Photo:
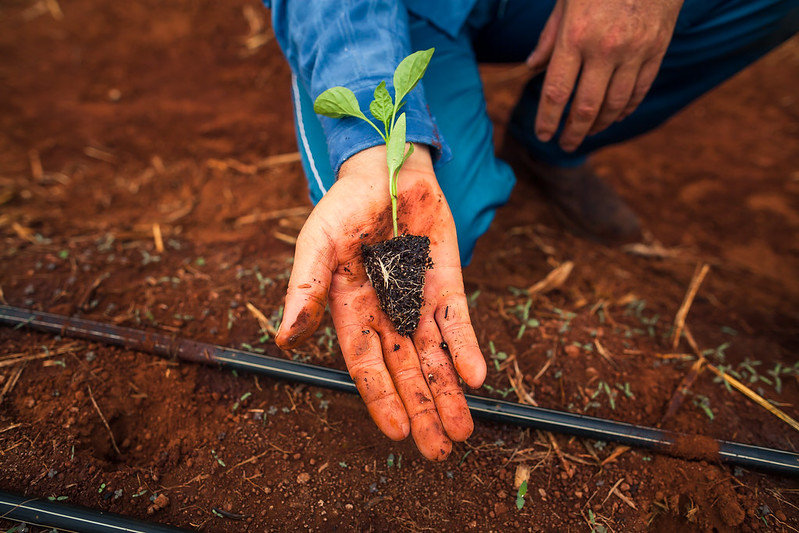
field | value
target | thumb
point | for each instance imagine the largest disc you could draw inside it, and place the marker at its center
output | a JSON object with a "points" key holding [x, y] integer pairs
{"points": [[306, 297], [539, 57]]}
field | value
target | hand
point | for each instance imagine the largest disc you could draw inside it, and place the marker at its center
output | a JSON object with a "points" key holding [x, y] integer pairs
{"points": [[408, 385], [616, 47]]}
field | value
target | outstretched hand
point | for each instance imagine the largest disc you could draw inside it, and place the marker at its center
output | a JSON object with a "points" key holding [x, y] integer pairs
{"points": [[615, 46], [409, 385]]}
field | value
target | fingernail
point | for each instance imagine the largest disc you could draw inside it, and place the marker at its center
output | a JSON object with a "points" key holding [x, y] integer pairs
{"points": [[543, 136]]}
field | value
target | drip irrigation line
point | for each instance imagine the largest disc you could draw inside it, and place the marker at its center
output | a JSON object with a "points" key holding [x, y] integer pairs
{"points": [[499, 411], [68, 517]]}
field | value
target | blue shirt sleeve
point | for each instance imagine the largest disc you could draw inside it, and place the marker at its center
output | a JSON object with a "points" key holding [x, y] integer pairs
{"points": [[354, 44]]}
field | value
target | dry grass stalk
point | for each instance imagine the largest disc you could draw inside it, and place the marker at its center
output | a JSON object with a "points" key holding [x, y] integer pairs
{"points": [[652, 250], [16, 358], [679, 319], [522, 475], [257, 41], [105, 422], [543, 370], [278, 159], [258, 34], [23, 233], [624, 498], [36, 165], [743, 389], [55, 9], [605, 354], [288, 239], [617, 452], [612, 489], [261, 318], [102, 155], [252, 218], [89, 292], [682, 388], [255, 19], [517, 382], [158, 164], [12, 426], [250, 169], [9, 386], [755, 397], [158, 238], [567, 466], [554, 280]]}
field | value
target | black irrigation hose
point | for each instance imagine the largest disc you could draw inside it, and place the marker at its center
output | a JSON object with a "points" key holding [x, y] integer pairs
{"points": [[73, 518], [778, 461]]}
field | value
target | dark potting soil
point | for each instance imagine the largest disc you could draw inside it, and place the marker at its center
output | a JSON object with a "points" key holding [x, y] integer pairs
{"points": [[396, 269]]}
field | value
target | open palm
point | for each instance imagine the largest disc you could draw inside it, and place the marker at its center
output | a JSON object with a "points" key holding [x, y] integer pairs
{"points": [[408, 384]]}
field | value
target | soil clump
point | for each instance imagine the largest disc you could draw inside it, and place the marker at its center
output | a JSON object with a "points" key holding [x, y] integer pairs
{"points": [[396, 268]]}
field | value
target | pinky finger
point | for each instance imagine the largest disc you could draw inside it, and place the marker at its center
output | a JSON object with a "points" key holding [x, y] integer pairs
{"points": [[456, 328], [646, 77]]}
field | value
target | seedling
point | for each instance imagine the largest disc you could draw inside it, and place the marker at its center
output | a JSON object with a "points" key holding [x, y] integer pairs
{"points": [[496, 356], [520, 495], [218, 460], [339, 102], [396, 268], [703, 402]]}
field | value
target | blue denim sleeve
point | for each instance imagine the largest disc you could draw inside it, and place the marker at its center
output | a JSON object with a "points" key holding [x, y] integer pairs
{"points": [[354, 44]]}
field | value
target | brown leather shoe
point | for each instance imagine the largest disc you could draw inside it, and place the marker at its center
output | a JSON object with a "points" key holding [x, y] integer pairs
{"points": [[585, 204]]}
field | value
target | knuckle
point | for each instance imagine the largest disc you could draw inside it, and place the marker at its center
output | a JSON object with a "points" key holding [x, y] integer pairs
{"points": [[585, 112], [615, 103], [575, 35], [611, 43], [427, 410], [555, 93], [360, 368], [406, 375]]}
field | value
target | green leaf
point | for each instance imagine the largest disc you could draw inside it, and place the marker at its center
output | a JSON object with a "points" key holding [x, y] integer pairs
{"points": [[409, 72], [395, 149], [382, 106], [520, 495], [338, 102], [407, 154]]}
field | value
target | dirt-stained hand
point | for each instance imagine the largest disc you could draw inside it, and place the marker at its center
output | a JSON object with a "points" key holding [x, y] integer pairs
{"points": [[615, 46], [408, 385]]}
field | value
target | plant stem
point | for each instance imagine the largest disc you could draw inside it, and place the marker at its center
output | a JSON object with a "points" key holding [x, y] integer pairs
{"points": [[384, 137], [393, 193]]}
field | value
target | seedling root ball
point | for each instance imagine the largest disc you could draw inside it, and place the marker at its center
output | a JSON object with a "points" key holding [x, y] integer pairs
{"points": [[396, 269]]}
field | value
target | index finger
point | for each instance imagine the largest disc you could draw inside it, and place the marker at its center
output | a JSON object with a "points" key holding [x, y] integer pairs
{"points": [[306, 296], [558, 86]]}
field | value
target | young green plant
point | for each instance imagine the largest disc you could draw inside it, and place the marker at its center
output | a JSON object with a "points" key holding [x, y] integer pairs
{"points": [[339, 102]]}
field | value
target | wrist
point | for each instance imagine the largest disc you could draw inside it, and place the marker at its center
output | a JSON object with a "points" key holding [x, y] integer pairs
{"points": [[372, 162]]}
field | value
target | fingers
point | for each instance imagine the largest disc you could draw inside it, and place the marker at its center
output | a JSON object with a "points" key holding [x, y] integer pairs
{"points": [[587, 103], [558, 86], [441, 379], [619, 93], [452, 317], [646, 77], [306, 297], [539, 57], [364, 357], [403, 364]]}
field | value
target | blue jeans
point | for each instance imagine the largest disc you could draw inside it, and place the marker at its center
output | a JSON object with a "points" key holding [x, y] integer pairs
{"points": [[712, 41]]}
